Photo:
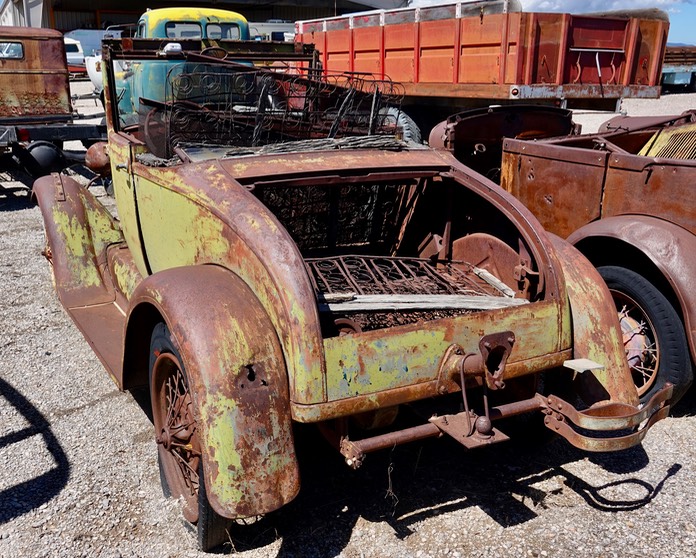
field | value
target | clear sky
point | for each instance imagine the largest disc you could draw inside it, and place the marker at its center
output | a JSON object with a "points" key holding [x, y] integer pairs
{"points": [[682, 13]]}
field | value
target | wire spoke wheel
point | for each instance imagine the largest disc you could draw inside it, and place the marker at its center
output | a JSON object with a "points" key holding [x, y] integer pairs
{"points": [[653, 334], [175, 431], [640, 342]]}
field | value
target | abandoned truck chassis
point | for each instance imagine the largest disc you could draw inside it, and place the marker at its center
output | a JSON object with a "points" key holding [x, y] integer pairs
{"points": [[338, 282]]}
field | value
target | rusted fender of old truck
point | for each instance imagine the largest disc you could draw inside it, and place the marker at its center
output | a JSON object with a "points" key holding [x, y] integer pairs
{"points": [[341, 282], [624, 198]]}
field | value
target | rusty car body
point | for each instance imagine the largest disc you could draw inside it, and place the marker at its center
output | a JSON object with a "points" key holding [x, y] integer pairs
{"points": [[345, 281], [36, 112], [624, 198]]}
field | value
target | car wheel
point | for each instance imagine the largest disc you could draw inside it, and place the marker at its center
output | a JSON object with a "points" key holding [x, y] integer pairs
{"points": [[410, 130], [178, 439], [653, 334]]}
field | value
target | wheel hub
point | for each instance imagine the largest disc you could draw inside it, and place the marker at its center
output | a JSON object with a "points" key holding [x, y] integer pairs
{"points": [[635, 341]]}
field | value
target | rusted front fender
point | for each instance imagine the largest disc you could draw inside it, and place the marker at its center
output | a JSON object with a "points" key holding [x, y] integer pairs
{"points": [[669, 247], [78, 230], [238, 380], [596, 331]]}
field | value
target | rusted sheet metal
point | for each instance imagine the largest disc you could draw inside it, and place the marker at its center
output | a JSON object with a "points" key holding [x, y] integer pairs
{"points": [[596, 334], [245, 169], [475, 137], [521, 92], [79, 230], [239, 390], [34, 76], [563, 197], [390, 397], [373, 361], [202, 223], [666, 188], [669, 247]]}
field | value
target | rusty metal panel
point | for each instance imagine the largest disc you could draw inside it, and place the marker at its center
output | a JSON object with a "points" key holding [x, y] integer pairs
{"points": [[574, 56], [244, 243], [375, 361], [546, 48], [651, 186], [436, 51], [596, 334], [480, 49], [646, 66], [562, 186], [339, 50], [399, 47], [670, 247], [367, 51], [239, 386], [34, 86]]}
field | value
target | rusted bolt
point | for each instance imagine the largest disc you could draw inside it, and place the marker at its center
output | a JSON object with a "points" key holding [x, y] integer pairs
{"points": [[349, 462], [442, 390], [487, 345]]}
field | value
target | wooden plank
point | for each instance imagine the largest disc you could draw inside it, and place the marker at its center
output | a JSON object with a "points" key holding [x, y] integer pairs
{"points": [[384, 303]]}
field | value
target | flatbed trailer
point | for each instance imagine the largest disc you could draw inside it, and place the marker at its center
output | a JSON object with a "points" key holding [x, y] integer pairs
{"points": [[679, 69], [477, 53]]}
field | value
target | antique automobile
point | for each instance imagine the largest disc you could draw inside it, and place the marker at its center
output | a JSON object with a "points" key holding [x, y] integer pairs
{"points": [[36, 113], [363, 283], [624, 198]]}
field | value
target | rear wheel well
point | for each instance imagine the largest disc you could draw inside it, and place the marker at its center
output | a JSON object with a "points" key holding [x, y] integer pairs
{"points": [[603, 251], [141, 322]]}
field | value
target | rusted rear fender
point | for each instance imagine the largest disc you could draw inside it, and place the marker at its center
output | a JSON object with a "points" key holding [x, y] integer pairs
{"points": [[669, 247], [238, 379], [78, 231], [596, 331]]}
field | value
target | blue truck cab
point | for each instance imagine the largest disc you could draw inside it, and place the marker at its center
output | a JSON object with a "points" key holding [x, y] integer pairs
{"points": [[148, 79]]}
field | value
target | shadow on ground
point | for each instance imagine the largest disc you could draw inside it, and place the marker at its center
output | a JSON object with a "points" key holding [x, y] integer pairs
{"points": [[28, 495], [414, 482]]}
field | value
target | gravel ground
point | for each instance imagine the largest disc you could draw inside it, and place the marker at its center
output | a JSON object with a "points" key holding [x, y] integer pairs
{"points": [[80, 474]]}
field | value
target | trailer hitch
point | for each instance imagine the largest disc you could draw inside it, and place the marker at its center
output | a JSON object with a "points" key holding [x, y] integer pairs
{"points": [[469, 428]]}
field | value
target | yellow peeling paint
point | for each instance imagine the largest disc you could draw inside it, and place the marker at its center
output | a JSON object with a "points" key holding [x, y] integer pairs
{"points": [[219, 413], [126, 277], [362, 364], [81, 266], [177, 236]]}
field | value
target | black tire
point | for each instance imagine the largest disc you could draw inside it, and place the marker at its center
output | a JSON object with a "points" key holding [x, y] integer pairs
{"points": [[213, 529], [658, 352], [178, 441], [411, 131]]}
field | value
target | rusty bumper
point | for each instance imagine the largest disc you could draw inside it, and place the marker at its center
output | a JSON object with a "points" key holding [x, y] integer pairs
{"points": [[590, 430]]}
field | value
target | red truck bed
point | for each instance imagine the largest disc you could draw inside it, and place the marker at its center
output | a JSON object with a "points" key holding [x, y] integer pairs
{"points": [[467, 50]]}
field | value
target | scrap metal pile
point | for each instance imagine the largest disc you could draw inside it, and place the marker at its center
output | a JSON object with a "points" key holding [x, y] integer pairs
{"points": [[216, 102]]}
